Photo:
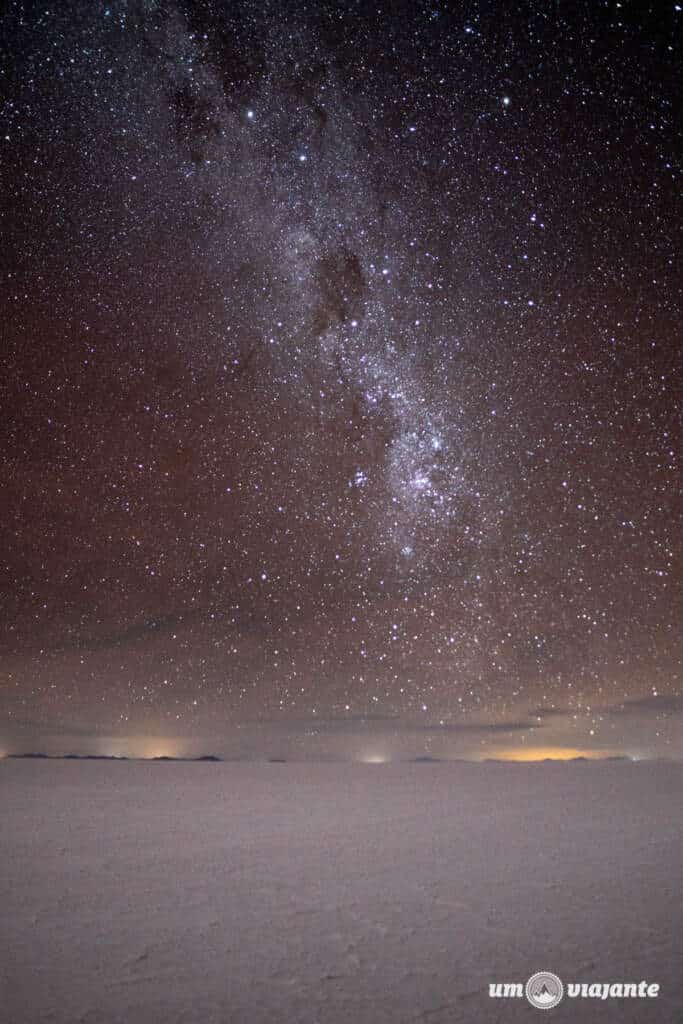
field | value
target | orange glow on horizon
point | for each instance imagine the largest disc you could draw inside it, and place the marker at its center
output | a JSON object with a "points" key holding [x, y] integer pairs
{"points": [[548, 753], [140, 747]]}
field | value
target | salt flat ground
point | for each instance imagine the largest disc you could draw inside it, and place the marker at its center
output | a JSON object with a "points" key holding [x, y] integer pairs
{"points": [[161, 893]]}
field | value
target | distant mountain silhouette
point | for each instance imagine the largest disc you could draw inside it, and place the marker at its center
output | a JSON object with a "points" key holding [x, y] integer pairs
{"points": [[167, 757], [420, 759], [90, 757], [38, 755]]}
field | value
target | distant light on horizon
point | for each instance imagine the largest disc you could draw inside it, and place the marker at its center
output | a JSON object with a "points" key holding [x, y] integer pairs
{"points": [[147, 747], [549, 754]]}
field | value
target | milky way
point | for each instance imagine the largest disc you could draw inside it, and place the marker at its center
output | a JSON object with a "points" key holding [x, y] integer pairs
{"points": [[340, 374]]}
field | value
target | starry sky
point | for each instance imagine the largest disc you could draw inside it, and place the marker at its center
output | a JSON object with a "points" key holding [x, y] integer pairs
{"points": [[341, 394]]}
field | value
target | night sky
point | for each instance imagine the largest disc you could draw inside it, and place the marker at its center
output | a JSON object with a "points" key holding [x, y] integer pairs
{"points": [[339, 379]]}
